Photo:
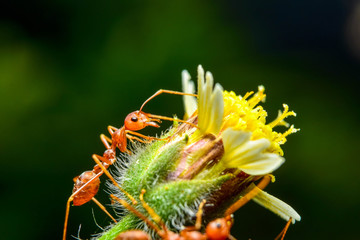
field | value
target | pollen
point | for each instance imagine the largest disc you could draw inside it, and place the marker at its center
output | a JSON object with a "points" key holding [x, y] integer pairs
{"points": [[245, 113]]}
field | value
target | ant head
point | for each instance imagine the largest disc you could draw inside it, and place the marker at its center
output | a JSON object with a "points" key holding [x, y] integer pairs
{"points": [[138, 120], [219, 229]]}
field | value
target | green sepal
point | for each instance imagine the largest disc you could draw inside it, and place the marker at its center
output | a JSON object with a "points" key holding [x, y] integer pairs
{"points": [[152, 165], [166, 199], [182, 194], [162, 164]]}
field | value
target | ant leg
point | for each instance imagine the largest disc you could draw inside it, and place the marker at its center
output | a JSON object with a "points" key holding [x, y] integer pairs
{"points": [[111, 129], [70, 199], [166, 91], [132, 138], [103, 208], [145, 137], [171, 119], [138, 214], [283, 232], [248, 196], [106, 141], [96, 159], [197, 226], [66, 216]]}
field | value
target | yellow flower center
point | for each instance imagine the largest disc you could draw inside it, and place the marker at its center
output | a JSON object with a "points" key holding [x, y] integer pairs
{"points": [[244, 113]]}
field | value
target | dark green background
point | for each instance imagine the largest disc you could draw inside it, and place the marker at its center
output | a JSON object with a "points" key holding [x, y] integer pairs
{"points": [[70, 68]]}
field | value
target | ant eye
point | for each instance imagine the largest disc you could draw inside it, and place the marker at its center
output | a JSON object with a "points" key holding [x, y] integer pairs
{"points": [[134, 119], [218, 225]]}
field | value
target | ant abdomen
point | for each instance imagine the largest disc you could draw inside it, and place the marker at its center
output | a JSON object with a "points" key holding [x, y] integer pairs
{"points": [[89, 191]]}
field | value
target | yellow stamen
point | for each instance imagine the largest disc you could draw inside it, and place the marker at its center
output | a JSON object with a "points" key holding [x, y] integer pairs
{"points": [[247, 115], [280, 118]]}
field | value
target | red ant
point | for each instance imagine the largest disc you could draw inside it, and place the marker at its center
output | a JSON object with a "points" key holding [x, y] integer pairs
{"points": [[138, 120], [87, 184], [218, 229]]}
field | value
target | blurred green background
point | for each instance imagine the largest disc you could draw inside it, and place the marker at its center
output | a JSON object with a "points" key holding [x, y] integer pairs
{"points": [[68, 69]]}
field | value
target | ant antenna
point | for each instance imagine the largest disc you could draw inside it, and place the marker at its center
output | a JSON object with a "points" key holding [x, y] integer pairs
{"points": [[166, 91]]}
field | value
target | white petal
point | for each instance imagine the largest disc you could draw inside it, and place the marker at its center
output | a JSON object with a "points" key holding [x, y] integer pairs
{"points": [[247, 155], [201, 97], [200, 76], [188, 87], [216, 110], [276, 206], [252, 148], [210, 103], [265, 164], [233, 139]]}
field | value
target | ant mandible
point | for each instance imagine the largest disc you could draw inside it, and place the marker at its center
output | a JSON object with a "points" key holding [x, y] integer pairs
{"points": [[218, 229], [87, 184]]}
